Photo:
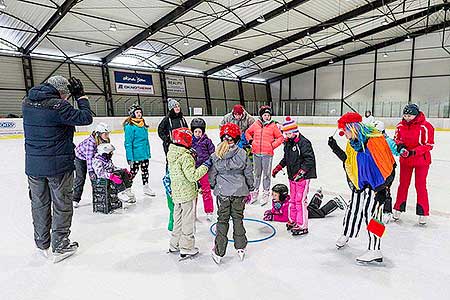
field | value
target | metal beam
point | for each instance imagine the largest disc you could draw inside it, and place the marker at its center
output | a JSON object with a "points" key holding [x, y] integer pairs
{"points": [[268, 16], [49, 25], [155, 27], [362, 51], [368, 33], [295, 37]]}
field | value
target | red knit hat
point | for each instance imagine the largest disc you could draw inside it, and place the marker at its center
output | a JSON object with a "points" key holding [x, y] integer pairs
{"points": [[238, 109], [230, 130], [350, 117]]}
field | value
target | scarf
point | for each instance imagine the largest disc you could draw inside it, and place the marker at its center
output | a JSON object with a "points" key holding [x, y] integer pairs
{"points": [[138, 122]]}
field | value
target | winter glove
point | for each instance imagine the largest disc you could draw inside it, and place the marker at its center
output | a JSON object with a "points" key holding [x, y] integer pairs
{"points": [[193, 153], [115, 178], [332, 142], [400, 147], [208, 163], [92, 175], [405, 153], [277, 169], [268, 216], [300, 175], [76, 88]]}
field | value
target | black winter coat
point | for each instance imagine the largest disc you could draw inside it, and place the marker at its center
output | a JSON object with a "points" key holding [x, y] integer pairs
{"points": [[170, 122], [49, 123], [299, 155]]}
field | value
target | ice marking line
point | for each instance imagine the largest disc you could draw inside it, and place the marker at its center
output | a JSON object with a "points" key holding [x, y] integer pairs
{"points": [[274, 231]]}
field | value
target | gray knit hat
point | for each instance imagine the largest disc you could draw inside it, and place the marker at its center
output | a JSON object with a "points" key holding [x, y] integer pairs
{"points": [[172, 103], [60, 83]]}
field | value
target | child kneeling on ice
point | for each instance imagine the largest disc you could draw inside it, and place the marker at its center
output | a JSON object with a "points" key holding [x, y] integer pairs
{"points": [[280, 205], [301, 166], [183, 182], [104, 168], [231, 177]]}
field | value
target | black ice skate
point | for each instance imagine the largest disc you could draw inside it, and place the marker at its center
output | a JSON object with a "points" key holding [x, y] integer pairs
{"points": [[290, 225], [64, 251], [299, 231], [340, 202], [187, 254]]}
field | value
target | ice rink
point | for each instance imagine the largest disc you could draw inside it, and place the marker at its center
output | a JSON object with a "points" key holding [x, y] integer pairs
{"points": [[123, 255]]}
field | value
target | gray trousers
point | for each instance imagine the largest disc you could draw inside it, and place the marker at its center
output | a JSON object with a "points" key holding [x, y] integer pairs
{"points": [[262, 167], [46, 192], [234, 207], [183, 226], [80, 178]]}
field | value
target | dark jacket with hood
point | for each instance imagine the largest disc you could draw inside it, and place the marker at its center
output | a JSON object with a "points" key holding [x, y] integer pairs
{"points": [[170, 122], [49, 123]]}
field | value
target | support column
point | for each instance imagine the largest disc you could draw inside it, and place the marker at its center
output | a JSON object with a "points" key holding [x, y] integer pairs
{"points": [[107, 91], [411, 71], [374, 81], [27, 72], [162, 79], [207, 96], [241, 93], [342, 87], [269, 95]]}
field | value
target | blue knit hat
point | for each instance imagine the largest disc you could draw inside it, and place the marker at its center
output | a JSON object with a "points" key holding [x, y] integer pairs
{"points": [[411, 109]]}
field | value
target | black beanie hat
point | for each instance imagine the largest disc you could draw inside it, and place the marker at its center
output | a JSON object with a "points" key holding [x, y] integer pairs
{"points": [[265, 109], [411, 109]]}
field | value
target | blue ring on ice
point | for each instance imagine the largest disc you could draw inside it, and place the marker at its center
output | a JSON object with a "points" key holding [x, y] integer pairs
{"points": [[274, 231]]}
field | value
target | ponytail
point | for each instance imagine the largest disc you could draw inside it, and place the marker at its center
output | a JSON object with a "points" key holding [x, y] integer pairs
{"points": [[222, 149]]}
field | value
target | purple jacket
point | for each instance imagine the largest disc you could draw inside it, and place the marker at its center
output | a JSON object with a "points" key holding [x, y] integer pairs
{"points": [[103, 167], [204, 147], [86, 151]]}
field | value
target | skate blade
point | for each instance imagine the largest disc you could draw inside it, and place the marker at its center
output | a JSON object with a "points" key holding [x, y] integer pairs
{"points": [[184, 257], [60, 257], [376, 261], [340, 247], [150, 194]]}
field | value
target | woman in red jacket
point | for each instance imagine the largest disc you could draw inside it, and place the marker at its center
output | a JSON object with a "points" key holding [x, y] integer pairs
{"points": [[414, 137], [264, 136]]}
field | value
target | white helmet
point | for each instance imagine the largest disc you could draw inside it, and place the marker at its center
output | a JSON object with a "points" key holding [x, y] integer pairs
{"points": [[105, 148], [379, 125], [102, 128]]}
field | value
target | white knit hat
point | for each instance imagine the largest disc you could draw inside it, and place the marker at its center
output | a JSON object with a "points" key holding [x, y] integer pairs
{"points": [[172, 103]]}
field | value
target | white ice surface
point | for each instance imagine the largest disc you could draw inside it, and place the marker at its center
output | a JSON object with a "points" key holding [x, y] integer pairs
{"points": [[123, 256]]}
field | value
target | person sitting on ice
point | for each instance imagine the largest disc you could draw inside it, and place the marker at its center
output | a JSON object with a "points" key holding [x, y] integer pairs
{"points": [[280, 205], [121, 178]]}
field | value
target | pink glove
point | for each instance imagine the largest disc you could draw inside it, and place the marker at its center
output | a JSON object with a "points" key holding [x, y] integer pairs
{"points": [[116, 179]]}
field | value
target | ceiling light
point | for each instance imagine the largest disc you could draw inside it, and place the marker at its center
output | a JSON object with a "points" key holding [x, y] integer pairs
{"points": [[408, 38], [331, 62], [261, 19], [158, 54], [385, 22], [207, 63], [2, 5], [112, 27], [341, 48], [88, 44], [385, 54], [273, 60], [236, 52], [186, 42]]}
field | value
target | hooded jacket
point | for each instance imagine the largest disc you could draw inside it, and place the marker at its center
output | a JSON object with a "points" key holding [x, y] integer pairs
{"points": [[418, 136], [232, 175], [244, 123], [170, 122], [136, 142], [183, 174], [299, 154], [265, 137], [204, 148], [49, 123]]}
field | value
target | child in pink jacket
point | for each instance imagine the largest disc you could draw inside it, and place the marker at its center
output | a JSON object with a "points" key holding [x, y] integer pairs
{"points": [[264, 136]]}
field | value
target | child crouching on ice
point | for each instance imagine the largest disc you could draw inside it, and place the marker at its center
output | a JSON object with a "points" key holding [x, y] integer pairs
{"points": [[231, 177], [280, 205], [104, 168], [183, 182], [301, 167]]}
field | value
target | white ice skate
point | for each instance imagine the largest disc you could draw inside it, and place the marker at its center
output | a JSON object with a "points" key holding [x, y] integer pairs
{"points": [[185, 254], [216, 258], [423, 220], [43, 252], [265, 198], [342, 241], [370, 256], [127, 196], [148, 191], [254, 196], [396, 215], [209, 217], [75, 204], [241, 253], [387, 217]]}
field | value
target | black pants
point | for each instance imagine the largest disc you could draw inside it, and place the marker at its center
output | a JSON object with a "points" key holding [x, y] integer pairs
{"points": [[230, 207], [144, 170], [387, 208], [80, 179], [51, 208], [127, 181], [317, 212]]}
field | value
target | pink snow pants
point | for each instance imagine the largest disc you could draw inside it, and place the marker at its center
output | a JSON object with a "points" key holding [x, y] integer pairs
{"points": [[206, 194], [298, 203]]}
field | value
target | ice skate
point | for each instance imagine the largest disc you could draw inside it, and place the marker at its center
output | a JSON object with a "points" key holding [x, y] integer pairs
{"points": [[216, 258], [148, 191], [340, 202], [265, 198], [342, 241], [396, 215], [254, 196], [290, 225], [371, 256], [209, 217], [63, 252], [241, 253], [297, 230], [43, 252], [186, 254], [75, 204], [173, 249], [423, 220], [387, 217]]}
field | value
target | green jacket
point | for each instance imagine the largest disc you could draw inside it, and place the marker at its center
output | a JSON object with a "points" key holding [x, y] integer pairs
{"points": [[183, 174]]}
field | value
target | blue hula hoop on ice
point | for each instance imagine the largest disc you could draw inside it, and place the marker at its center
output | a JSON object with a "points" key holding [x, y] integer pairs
{"points": [[274, 231]]}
